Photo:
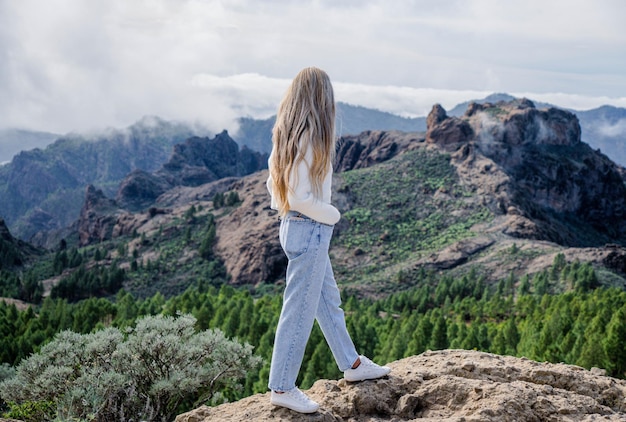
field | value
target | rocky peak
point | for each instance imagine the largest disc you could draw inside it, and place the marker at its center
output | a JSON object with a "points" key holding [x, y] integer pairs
{"points": [[140, 189], [372, 147], [511, 123], [195, 162], [447, 132], [518, 122], [97, 217], [555, 186], [449, 385], [437, 115], [96, 200]]}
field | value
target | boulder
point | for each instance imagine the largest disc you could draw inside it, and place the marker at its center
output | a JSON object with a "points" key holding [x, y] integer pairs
{"points": [[449, 385]]}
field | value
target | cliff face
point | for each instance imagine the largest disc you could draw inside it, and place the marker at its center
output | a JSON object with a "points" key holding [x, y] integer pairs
{"points": [[450, 385], [536, 170], [98, 217], [373, 147]]}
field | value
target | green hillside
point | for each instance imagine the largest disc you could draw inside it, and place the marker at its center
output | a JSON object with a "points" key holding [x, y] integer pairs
{"points": [[401, 210]]}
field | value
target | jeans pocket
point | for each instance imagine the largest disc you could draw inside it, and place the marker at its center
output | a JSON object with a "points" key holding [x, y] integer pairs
{"points": [[295, 237]]}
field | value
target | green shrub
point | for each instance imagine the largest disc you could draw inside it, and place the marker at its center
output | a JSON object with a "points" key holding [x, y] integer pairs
{"points": [[32, 411], [151, 372], [6, 372]]}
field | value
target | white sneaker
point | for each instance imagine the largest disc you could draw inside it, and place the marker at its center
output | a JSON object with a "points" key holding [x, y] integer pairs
{"points": [[294, 399], [367, 370]]}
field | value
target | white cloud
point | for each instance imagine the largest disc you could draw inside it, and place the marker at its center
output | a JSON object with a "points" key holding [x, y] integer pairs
{"points": [[74, 65], [616, 129]]}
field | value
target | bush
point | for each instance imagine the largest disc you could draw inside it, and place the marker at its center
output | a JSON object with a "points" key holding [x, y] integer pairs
{"points": [[6, 372], [32, 411], [151, 372]]}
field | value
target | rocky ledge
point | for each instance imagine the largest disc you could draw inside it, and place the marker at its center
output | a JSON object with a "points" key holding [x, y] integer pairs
{"points": [[450, 385]]}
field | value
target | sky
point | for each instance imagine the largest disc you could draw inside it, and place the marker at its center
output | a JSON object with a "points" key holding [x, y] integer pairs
{"points": [[80, 65]]}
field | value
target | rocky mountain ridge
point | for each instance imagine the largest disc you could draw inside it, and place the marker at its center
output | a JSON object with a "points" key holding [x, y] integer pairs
{"points": [[603, 128], [72, 162], [555, 185], [43, 189], [547, 193], [453, 386], [518, 183], [195, 162]]}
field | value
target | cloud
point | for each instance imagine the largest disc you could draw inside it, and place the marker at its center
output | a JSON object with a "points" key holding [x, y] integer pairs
{"points": [[248, 94], [74, 65], [612, 129]]}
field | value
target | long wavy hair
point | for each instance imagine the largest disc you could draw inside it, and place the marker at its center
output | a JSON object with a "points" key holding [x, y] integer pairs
{"points": [[305, 119]]}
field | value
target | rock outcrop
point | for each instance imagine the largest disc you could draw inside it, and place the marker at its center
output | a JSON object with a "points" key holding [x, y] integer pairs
{"points": [[447, 132], [97, 218], [533, 167], [247, 238], [140, 189], [449, 385], [372, 147], [195, 162]]}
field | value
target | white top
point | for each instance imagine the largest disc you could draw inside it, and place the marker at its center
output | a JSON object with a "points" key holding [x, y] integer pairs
{"points": [[300, 194]]}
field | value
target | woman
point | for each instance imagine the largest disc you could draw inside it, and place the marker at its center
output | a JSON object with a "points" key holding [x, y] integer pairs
{"points": [[300, 187]]}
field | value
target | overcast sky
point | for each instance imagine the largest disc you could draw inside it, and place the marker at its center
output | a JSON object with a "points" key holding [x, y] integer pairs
{"points": [[77, 65]]}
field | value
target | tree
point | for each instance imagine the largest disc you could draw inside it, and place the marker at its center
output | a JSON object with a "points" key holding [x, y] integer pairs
{"points": [[218, 200], [541, 284], [511, 337], [232, 198], [524, 286], [206, 247], [190, 214], [615, 343], [160, 365], [439, 338], [593, 353]]}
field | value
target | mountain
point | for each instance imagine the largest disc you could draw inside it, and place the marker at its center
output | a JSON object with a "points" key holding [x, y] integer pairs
{"points": [[12, 141], [195, 162], [603, 128], [449, 385], [43, 189], [550, 176], [504, 189], [351, 120], [505, 177]]}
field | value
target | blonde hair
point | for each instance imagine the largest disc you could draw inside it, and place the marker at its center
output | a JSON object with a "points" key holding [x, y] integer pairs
{"points": [[305, 119]]}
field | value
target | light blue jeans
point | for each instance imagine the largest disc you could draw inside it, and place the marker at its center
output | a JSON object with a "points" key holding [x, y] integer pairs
{"points": [[310, 293]]}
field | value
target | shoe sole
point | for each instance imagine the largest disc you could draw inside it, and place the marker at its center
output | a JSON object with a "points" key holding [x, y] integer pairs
{"points": [[366, 379], [307, 411]]}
